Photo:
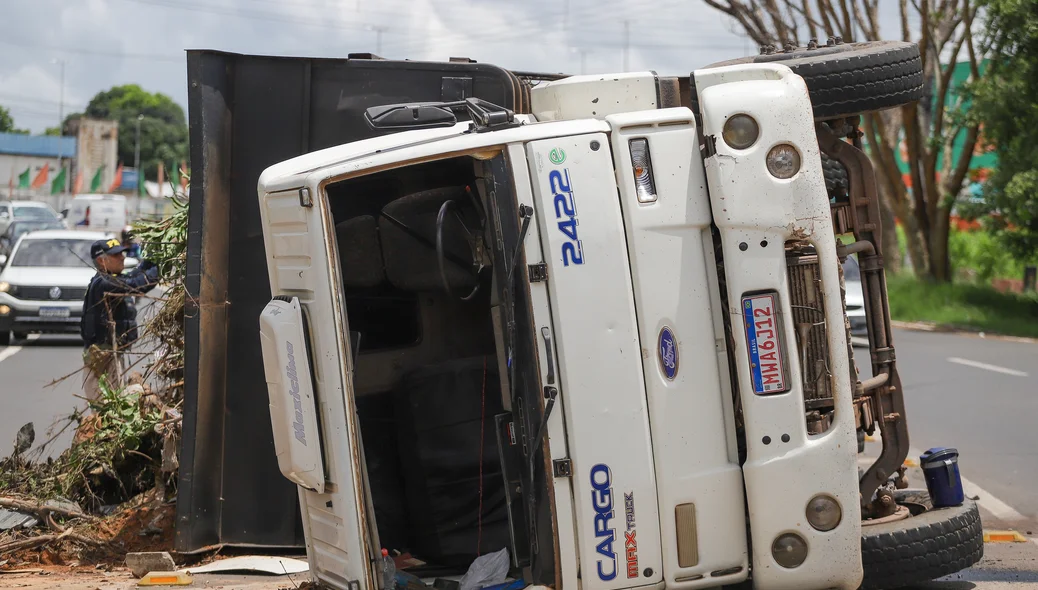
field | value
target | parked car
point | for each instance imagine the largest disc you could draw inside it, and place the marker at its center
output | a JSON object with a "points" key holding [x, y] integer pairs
{"points": [[18, 228], [855, 298], [11, 211], [43, 283], [97, 213]]}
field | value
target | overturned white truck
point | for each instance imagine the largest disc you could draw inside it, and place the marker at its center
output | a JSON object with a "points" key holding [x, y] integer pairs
{"points": [[608, 336]]}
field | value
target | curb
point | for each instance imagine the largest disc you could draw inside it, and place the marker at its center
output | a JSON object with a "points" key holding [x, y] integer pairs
{"points": [[946, 329]]}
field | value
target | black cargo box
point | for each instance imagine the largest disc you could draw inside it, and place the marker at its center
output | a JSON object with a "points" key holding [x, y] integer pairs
{"points": [[246, 113]]}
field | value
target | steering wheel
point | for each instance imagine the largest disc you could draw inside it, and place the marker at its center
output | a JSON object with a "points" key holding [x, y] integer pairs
{"points": [[473, 239]]}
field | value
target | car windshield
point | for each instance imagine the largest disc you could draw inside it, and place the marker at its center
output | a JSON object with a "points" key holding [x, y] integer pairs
{"points": [[850, 270], [32, 213], [21, 228], [53, 253]]}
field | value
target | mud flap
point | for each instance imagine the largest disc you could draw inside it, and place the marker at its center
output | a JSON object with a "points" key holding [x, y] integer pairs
{"points": [[293, 415]]}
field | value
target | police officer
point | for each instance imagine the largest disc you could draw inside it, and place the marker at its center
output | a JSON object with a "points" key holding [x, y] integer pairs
{"points": [[109, 323]]}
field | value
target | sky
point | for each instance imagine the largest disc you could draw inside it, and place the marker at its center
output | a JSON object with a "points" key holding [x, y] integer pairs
{"points": [[103, 43]]}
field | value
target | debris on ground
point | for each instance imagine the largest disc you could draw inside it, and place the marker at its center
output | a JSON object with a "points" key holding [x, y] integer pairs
{"points": [[141, 563], [262, 564]]}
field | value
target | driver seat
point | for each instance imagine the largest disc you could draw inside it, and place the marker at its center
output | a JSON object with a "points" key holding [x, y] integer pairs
{"points": [[407, 227]]}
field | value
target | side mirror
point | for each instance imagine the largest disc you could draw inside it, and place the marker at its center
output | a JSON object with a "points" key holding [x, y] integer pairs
{"points": [[64, 214], [130, 263]]}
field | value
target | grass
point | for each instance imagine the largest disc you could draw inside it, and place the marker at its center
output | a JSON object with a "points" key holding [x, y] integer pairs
{"points": [[962, 305]]}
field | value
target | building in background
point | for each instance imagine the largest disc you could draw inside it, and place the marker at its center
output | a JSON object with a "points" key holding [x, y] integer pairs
{"points": [[97, 154], [28, 160]]}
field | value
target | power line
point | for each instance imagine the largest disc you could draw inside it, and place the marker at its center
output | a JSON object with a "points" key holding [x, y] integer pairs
{"points": [[255, 15], [92, 52], [27, 99]]}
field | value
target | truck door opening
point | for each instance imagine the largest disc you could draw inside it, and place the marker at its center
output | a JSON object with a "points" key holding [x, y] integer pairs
{"points": [[429, 371]]}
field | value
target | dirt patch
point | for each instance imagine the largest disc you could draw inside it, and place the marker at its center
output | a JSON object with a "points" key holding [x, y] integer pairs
{"points": [[138, 525]]}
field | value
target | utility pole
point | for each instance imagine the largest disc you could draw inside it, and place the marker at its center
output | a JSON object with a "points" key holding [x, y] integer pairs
{"points": [[627, 44], [137, 153], [61, 122], [378, 37]]}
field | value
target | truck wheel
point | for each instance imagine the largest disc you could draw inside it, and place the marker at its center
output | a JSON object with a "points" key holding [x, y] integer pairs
{"points": [[935, 542], [849, 79], [5, 338], [21, 335]]}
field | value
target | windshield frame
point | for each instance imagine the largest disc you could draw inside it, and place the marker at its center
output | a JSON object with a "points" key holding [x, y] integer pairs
{"points": [[75, 260]]}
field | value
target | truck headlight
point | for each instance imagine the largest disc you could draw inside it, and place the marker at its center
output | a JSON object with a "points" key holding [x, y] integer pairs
{"points": [[824, 513], [4, 310], [4, 287], [740, 131], [783, 161], [789, 550]]}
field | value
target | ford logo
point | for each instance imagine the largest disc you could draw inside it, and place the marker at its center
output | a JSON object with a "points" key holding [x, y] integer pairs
{"points": [[55, 292], [667, 351]]}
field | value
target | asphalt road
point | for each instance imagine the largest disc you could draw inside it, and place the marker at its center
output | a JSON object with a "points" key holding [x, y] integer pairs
{"points": [[27, 371], [975, 394], [979, 396]]}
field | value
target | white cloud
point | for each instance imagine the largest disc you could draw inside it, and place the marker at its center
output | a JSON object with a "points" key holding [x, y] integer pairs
{"points": [[669, 36]]}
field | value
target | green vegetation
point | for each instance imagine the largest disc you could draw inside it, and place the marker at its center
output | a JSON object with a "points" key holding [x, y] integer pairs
{"points": [[962, 305], [110, 460], [7, 123], [164, 134], [980, 256], [1005, 101]]}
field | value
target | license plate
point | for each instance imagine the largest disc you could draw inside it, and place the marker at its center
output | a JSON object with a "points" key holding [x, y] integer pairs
{"points": [[767, 359], [55, 313]]}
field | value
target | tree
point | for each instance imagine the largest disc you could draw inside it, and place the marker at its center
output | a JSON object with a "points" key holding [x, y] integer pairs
{"points": [[929, 128], [7, 123], [67, 126], [1006, 100], [164, 136]]}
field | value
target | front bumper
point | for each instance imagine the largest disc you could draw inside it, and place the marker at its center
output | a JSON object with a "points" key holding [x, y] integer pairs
{"points": [[38, 317], [757, 214]]}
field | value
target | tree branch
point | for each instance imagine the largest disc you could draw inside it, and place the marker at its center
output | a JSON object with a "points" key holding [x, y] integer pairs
{"points": [[812, 26], [40, 510], [906, 35], [824, 9]]}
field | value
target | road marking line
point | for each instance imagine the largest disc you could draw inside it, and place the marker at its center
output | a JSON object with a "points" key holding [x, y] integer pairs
{"points": [[13, 350], [987, 501], [985, 366], [9, 352]]}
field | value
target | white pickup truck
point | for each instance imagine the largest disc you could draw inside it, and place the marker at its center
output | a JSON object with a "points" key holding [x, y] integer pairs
{"points": [[608, 336]]}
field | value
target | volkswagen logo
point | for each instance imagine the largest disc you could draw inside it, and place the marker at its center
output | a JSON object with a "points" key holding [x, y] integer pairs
{"points": [[55, 292]]}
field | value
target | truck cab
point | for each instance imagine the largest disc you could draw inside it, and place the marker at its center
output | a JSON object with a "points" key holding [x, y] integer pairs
{"points": [[607, 336]]}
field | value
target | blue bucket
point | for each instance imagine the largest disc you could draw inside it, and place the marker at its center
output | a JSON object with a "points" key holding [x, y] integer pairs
{"points": [[941, 471]]}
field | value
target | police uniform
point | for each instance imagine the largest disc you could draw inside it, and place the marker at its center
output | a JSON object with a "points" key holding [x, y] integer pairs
{"points": [[109, 324]]}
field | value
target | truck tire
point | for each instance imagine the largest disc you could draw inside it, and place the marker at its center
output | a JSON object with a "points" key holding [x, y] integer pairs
{"points": [[5, 338], [848, 79], [923, 547]]}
